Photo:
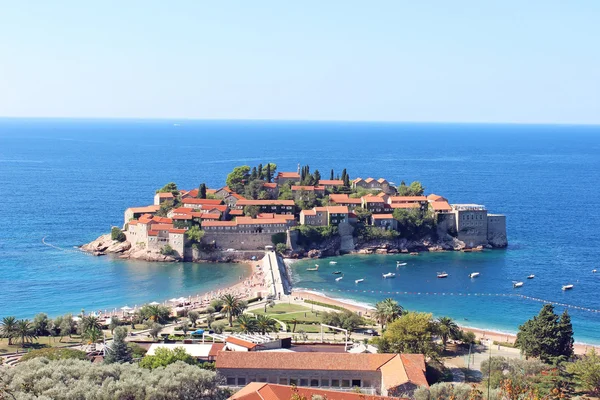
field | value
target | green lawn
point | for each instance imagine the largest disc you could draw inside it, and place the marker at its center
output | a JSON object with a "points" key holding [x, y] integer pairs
{"points": [[288, 312], [282, 308], [42, 341]]}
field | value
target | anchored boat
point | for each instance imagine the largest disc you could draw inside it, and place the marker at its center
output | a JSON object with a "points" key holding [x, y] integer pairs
{"points": [[336, 272], [339, 278], [442, 275], [567, 287], [389, 275], [316, 268], [531, 276], [473, 274], [332, 262], [400, 264], [358, 280], [517, 284]]}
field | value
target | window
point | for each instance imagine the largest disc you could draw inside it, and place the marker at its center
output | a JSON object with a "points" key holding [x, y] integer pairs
{"points": [[231, 381], [335, 382], [366, 384], [303, 382], [283, 381], [241, 381], [345, 383], [356, 382], [294, 381], [324, 382], [262, 379], [314, 382]]}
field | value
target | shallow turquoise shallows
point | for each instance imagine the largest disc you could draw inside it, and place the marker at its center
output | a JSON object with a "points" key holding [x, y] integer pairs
{"points": [[70, 180]]}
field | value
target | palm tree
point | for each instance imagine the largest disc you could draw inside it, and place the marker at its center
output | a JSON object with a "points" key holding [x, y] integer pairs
{"points": [[91, 328], [247, 323], [231, 306], [265, 324], [295, 322], [24, 330], [8, 328], [155, 313], [447, 328], [387, 311]]}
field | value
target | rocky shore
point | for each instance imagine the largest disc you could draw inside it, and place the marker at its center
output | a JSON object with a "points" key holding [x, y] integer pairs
{"points": [[105, 245]]}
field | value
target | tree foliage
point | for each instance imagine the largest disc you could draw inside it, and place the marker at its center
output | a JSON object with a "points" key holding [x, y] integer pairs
{"points": [[75, 379], [387, 311], [163, 357], [237, 178], [117, 234], [8, 328], [155, 313], [546, 337], [251, 211], [414, 189], [586, 371], [414, 222], [170, 187], [232, 306], [194, 234], [118, 351], [413, 332], [346, 319], [201, 191], [447, 329], [308, 235], [55, 353]]}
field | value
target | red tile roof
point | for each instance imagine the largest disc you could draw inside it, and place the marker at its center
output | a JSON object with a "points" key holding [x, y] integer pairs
{"points": [[288, 175], [162, 227], [215, 348], [337, 198], [373, 199], [369, 180], [239, 342], [208, 215], [260, 221], [152, 233], [218, 223], [279, 216], [182, 217], [334, 182], [145, 219], [435, 197], [245, 202], [405, 205], [337, 209], [237, 196], [308, 212], [271, 391], [168, 195], [146, 209], [236, 212], [269, 185], [211, 191], [381, 180], [383, 216], [306, 188], [162, 220], [133, 222], [183, 210], [440, 206], [407, 199], [201, 201], [176, 230]]}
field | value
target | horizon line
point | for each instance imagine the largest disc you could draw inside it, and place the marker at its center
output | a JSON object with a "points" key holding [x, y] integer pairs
{"points": [[192, 119]]}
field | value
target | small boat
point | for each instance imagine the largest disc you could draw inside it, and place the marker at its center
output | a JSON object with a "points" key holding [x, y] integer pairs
{"points": [[594, 271], [442, 275], [400, 264], [336, 272], [473, 274], [332, 262], [414, 253], [339, 278], [316, 268], [567, 287], [517, 284], [531, 276], [389, 275], [358, 280]]}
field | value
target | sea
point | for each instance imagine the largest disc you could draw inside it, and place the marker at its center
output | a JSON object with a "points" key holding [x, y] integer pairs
{"points": [[64, 182]]}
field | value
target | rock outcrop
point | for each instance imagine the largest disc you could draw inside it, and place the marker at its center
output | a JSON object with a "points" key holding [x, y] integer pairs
{"points": [[105, 245]]}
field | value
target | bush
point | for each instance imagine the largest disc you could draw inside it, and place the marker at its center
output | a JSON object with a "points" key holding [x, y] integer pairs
{"points": [[368, 233], [218, 327], [167, 250], [53, 353], [117, 234], [281, 248], [315, 234], [278, 238]]}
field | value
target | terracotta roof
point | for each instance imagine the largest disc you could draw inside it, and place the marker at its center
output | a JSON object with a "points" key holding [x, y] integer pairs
{"points": [[202, 201], [337, 198], [245, 202], [226, 189], [405, 205], [383, 216], [152, 233], [162, 220], [357, 180], [133, 222], [334, 182], [239, 342], [288, 175], [337, 209], [373, 199], [288, 217], [183, 210], [176, 230], [351, 200], [382, 194], [211, 191], [144, 219], [307, 188], [183, 217], [271, 391], [269, 185], [218, 223], [260, 221], [320, 208], [162, 227], [216, 347], [440, 206], [369, 180], [168, 195], [236, 212], [435, 197], [381, 180], [308, 212], [209, 215], [210, 207], [237, 196], [414, 365], [407, 199], [146, 209]]}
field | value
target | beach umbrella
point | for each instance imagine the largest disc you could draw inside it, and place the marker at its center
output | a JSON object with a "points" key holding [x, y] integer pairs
{"points": [[154, 303], [182, 300], [174, 300], [126, 308]]}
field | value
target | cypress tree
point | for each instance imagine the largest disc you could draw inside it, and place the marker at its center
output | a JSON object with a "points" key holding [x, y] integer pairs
{"points": [[347, 180], [317, 176], [268, 172], [254, 174], [260, 171], [344, 175], [541, 336], [202, 191], [566, 335], [331, 175]]}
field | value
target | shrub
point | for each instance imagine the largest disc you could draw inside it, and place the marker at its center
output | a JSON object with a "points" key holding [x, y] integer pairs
{"points": [[53, 353], [167, 250], [117, 234], [318, 303], [281, 248], [278, 238], [218, 327]]}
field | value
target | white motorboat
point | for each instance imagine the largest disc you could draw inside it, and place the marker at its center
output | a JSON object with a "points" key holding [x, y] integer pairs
{"points": [[517, 284], [531, 276], [332, 262], [316, 268], [339, 278], [400, 264], [473, 274], [358, 280], [594, 271], [389, 275], [567, 287], [442, 275]]}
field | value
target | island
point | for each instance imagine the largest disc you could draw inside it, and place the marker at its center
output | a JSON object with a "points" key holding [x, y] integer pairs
{"points": [[300, 214]]}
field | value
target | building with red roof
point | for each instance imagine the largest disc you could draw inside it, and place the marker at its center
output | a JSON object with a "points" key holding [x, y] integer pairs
{"points": [[272, 391]]}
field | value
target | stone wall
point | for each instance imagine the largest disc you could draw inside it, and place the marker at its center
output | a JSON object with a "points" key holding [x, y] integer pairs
{"points": [[496, 234], [238, 241]]}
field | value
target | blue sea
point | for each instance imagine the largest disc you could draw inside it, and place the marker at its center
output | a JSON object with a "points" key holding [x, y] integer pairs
{"points": [[68, 181]]}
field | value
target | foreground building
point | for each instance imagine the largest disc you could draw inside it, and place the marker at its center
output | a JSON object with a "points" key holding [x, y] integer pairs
{"points": [[270, 391], [374, 374]]}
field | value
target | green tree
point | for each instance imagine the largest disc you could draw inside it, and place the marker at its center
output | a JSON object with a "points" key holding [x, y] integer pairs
{"points": [[306, 200], [246, 323], [217, 305], [155, 330], [167, 250], [345, 319], [8, 329], [114, 323], [253, 188], [155, 313], [55, 353], [363, 215], [118, 351], [254, 174], [414, 222], [281, 248], [387, 311], [260, 171], [316, 176], [566, 335], [91, 328], [231, 307], [586, 371], [41, 324], [117, 234], [68, 326], [237, 178], [416, 189], [265, 324], [413, 332], [251, 211], [163, 357], [170, 187], [24, 331], [277, 238], [542, 337], [193, 317], [447, 329], [331, 175], [202, 191], [194, 234]]}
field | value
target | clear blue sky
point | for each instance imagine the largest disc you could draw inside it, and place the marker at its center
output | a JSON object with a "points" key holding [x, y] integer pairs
{"points": [[467, 61]]}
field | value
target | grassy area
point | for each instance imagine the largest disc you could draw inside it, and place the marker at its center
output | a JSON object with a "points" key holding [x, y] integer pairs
{"points": [[282, 308], [289, 312], [42, 341]]}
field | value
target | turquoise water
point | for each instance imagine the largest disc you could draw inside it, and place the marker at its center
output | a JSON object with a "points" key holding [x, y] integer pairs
{"points": [[70, 180]]}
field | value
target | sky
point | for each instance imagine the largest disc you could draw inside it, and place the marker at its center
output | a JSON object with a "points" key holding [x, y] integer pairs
{"points": [[420, 61]]}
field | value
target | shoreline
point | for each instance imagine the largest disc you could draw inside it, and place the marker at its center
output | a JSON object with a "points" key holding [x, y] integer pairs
{"points": [[480, 333]]}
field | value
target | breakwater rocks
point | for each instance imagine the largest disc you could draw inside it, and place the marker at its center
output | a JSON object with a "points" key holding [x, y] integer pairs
{"points": [[105, 245]]}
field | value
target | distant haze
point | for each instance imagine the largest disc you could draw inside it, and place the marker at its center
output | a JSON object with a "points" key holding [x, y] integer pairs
{"points": [[432, 61]]}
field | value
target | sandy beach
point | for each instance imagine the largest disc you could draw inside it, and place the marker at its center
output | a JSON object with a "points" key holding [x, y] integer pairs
{"points": [[481, 334]]}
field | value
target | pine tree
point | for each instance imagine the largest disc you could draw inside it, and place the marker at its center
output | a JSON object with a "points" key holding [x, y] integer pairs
{"points": [[566, 335], [317, 176], [268, 173], [118, 352], [260, 171], [331, 175], [541, 336], [254, 174]]}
